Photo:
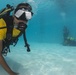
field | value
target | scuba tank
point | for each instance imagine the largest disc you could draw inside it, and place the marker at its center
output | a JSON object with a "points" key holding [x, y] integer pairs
{"points": [[6, 11]]}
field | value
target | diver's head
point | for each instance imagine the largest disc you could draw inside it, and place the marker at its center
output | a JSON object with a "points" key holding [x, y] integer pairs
{"points": [[23, 12]]}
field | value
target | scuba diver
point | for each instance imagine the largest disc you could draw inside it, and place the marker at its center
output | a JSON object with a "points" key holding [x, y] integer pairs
{"points": [[11, 28], [68, 41], [66, 33]]}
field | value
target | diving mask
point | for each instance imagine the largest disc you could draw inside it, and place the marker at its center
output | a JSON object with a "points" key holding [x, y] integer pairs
{"points": [[23, 14]]}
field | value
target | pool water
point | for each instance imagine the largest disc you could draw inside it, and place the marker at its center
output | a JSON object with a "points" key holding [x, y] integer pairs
{"points": [[48, 56]]}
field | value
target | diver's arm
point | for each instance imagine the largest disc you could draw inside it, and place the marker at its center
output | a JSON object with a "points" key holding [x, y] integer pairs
{"points": [[3, 62]]}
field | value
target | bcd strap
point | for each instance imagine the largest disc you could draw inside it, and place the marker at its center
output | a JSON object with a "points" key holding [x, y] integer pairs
{"points": [[8, 40], [9, 23]]}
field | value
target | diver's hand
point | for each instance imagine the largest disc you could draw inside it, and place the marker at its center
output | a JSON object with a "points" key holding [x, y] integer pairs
{"points": [[14, 73]]}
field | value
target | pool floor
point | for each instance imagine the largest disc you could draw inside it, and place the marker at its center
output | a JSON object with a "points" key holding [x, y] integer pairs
{"points": [[44, 59]]}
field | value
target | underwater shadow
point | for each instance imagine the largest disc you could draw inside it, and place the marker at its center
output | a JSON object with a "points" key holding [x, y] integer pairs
{"points": [[15, 66]]}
